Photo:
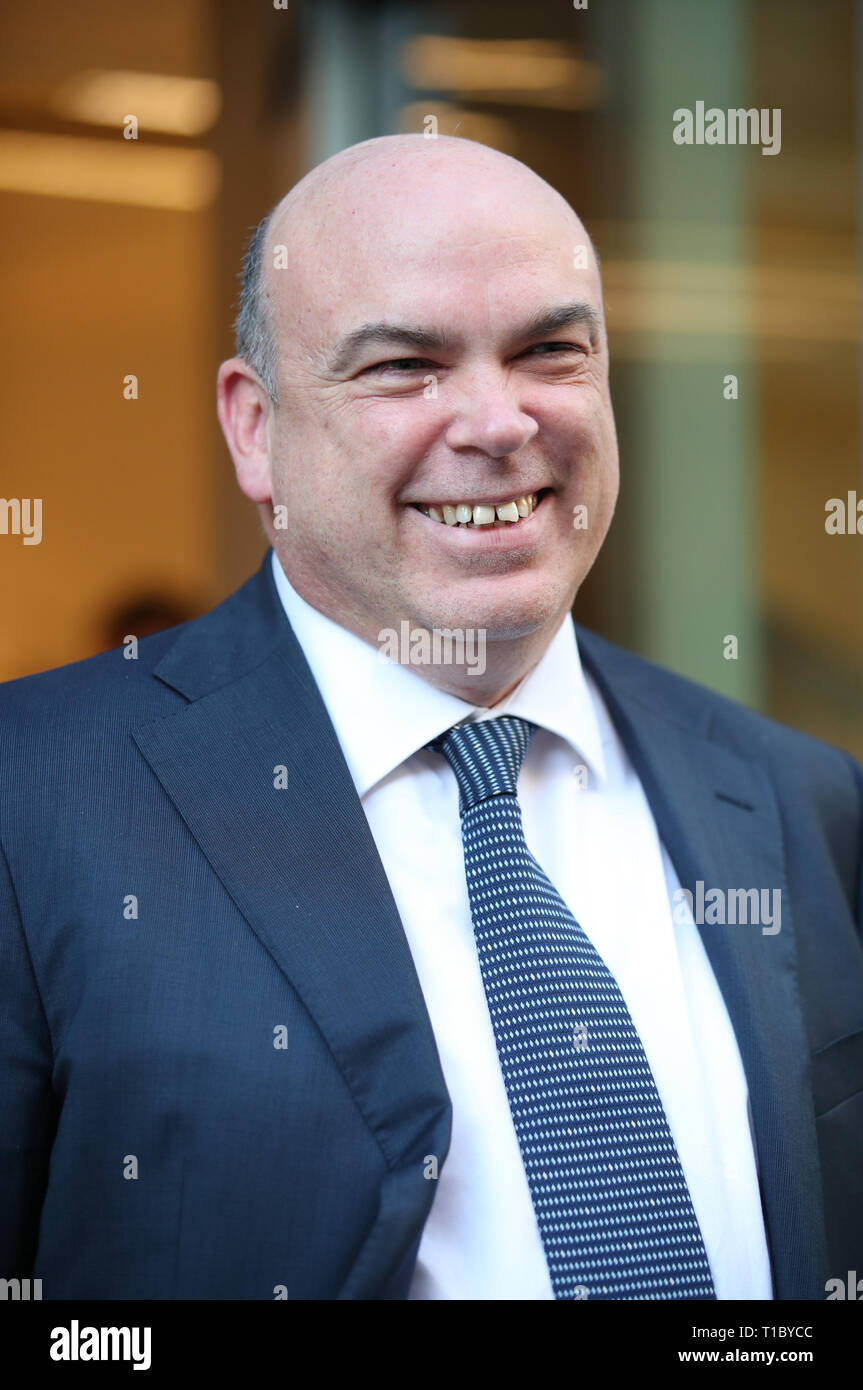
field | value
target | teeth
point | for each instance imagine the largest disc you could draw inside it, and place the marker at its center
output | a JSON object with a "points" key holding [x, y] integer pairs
{"points": [[463, 514]]}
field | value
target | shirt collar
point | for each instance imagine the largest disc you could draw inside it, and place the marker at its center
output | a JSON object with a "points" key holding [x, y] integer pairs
{"points": [[383, 712]]}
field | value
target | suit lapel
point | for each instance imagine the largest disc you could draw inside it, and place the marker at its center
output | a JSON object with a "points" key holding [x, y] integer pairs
{"points": [[717, 816], [301, 865]]}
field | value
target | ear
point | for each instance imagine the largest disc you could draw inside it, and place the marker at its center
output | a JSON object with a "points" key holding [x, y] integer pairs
{"points": [[244, 410]]}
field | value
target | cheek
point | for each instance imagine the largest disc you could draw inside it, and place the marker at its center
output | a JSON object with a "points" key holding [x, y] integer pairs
{"points": [[599, 428], [590, 448], [579, 412], [389, 439]]}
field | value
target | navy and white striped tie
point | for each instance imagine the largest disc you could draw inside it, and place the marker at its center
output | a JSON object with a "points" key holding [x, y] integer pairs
{"points": [[611, 1201]]}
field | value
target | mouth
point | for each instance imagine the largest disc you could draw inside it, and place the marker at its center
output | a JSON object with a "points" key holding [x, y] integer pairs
{"points": [[484, 516]]}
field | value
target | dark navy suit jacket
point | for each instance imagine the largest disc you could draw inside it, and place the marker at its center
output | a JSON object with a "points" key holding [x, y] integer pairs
{"points": [[146, 1044]]}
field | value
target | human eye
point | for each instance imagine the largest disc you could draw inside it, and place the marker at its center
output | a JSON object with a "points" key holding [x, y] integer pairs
{"points": [[400, 366], [557, 349]]}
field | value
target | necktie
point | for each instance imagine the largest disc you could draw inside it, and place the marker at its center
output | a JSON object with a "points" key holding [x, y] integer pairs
{"points": [[611, 1201]]}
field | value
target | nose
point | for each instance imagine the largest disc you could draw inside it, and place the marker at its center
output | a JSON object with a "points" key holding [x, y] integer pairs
{"points": [[489, 420]]}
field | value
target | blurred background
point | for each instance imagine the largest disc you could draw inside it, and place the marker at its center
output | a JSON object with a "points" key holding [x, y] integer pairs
{"points": [[120, 260]]}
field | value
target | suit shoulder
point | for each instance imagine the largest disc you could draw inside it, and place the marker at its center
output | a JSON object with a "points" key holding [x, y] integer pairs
{"points": [[101, 698], [749, 732], [75, 722], [105, 676]]}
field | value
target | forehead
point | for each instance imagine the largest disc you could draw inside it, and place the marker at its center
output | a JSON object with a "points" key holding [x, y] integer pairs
{"points": [[455, 256]]}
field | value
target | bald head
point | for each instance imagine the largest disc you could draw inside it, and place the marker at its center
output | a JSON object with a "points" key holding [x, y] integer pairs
{"points": [[355, 201]]}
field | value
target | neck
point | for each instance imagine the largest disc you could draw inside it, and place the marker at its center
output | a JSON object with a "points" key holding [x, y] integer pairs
{"points": [[471, 665], [491, 674]]}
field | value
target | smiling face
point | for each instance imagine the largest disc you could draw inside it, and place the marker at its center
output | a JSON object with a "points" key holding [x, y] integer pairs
{"points": [[441, 345]]}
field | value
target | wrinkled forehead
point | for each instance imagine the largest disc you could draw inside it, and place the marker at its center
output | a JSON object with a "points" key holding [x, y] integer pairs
{"points": [[458, 253]]}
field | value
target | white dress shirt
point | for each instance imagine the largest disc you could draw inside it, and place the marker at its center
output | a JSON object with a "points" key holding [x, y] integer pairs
{"points": [[600, 847]]}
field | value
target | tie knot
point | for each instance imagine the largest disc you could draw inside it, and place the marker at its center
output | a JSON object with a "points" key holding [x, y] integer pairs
{"points": [[486, 756]]}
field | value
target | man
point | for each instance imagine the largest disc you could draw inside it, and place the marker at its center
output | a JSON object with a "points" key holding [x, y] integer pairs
{"points": [[349, 938]]}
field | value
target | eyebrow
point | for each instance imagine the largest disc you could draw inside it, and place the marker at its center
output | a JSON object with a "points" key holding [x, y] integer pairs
{"points": [[545, 321]]}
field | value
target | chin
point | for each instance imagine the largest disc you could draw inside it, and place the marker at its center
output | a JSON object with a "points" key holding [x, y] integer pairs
{"points": [[504, 617]]}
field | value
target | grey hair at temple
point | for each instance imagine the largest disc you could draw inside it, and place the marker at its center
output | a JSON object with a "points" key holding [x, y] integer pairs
{"points": [[254, 338]]}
